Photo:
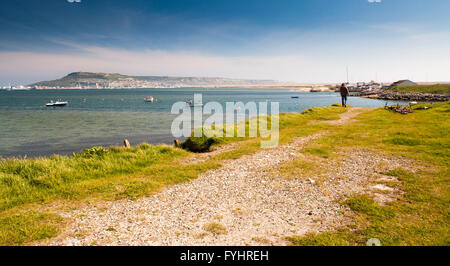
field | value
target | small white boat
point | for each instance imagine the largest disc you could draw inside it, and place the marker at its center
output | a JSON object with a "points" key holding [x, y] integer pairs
{"points": [[149, 99], [56, 104]]}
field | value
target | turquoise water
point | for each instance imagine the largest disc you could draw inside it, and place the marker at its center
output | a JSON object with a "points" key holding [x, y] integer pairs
{"points": [[106, 117]]}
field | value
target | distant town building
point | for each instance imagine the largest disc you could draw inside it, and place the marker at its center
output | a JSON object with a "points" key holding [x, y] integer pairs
{"points": [[404, 82], [361, 86]]}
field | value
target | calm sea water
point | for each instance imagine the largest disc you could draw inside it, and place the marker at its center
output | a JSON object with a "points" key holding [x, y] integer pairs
{"points": [[106, 117]]}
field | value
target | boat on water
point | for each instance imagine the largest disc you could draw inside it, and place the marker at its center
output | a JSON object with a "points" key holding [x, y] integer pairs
{"points": [[295, 97], [149, 99], [56, 104], [192, 104]]}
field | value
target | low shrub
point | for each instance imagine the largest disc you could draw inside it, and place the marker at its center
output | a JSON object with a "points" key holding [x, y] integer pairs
{"points": [[200, 144]]}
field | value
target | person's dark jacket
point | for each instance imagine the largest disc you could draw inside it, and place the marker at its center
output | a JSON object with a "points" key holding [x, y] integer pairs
{"points": [[344, 91]]}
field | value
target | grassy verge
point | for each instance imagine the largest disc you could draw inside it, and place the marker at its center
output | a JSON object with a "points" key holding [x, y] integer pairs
{"points": [[435, 89], [58, 177], [290, 125], [421, 216], [113, 173]]}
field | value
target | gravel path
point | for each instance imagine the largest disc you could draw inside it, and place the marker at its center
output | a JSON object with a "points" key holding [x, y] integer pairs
{"points": [[245, 202]]}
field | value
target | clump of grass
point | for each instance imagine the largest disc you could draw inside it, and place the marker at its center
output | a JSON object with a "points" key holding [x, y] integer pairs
{"points": [[200, 235], [17, 229], [92, 152], [215, 228], [366, 205], [421, 106], [319, 151], [404, 141], [111, 229], [301, 168]]}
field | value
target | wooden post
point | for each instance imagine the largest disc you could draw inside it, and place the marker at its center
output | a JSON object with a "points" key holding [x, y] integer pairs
{"points": [[126, 143]]}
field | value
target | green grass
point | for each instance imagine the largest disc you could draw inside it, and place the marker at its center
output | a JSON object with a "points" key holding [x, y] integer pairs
{"points": [[436, 89], [300, 168], [18, 229], [323, 239], [369, 207], [421, 216], [41, 180]]}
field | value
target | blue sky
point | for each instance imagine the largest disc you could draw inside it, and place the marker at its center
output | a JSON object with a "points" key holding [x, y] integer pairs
{"points": [[289, 40]]}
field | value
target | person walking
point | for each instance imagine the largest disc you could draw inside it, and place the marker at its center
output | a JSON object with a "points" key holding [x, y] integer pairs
{"points": [[344, 93]]}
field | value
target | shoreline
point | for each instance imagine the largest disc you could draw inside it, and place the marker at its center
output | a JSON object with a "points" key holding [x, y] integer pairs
{"points": [[106, 143], [34, 149], [45, 149], [403, 96]]}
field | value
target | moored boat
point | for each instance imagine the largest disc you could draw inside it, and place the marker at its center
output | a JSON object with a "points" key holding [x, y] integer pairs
{"points": [[56, 104], [192, 104]]}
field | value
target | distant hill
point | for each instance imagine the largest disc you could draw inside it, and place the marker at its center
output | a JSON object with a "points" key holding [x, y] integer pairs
{"points": [[73, 79], [115, 80]]}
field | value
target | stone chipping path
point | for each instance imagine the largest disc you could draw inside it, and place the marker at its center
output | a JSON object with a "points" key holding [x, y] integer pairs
{"points": [[247, 199]]}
